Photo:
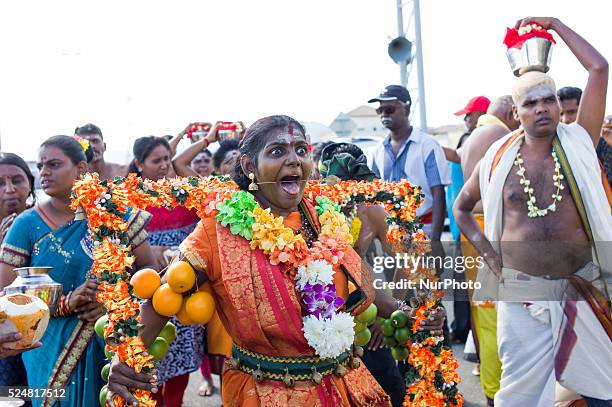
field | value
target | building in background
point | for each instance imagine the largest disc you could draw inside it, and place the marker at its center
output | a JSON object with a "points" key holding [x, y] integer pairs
{"points": [[362, 122], [318, 132]]}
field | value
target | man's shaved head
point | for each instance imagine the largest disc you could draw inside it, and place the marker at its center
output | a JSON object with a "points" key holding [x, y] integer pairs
{"points": [[533, 84], [501, 105], [502, 109]]}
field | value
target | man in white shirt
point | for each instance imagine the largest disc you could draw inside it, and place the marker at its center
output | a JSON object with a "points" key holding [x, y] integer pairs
{"points": [[408, 153]]}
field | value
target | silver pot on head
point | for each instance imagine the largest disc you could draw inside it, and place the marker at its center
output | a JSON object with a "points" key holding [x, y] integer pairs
{"points": [[534, 55]]}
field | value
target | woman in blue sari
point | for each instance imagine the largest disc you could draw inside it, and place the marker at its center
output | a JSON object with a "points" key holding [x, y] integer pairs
{"points": [[72, 355]]}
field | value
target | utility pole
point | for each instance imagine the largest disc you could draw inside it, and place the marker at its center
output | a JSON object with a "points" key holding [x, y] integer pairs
{"points": [[400, 50], [419, 56], [400, 33]]}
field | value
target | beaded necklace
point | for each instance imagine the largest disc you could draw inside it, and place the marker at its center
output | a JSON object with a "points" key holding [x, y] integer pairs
{"points": [[307, 230]]}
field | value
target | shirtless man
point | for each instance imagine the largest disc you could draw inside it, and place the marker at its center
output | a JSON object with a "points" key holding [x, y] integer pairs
{"points": [[498, 122], [530, 332], [104, 169]]}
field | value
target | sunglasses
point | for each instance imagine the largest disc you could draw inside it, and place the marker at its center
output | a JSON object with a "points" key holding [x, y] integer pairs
{"points": [[388, 110]]}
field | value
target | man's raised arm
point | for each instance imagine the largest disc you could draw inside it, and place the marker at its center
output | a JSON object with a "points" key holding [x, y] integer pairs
{"points": [[593, 102]]}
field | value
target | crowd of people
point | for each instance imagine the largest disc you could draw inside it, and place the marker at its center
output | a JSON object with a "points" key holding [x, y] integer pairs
{"points": [[537, 146]]}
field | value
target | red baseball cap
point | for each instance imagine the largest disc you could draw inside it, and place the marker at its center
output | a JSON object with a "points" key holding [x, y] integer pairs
{"points": [[476, 104]]}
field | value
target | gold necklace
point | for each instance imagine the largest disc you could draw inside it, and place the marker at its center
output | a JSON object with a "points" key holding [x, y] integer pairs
{"points": [[533, 210]]}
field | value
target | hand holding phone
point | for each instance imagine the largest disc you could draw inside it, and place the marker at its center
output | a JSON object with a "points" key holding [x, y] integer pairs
{"points": [[197, 131], [230, 131]]}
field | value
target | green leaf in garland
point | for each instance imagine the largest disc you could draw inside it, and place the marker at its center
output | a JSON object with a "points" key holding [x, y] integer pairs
{"points": [[193, 181], [235, 212], [235, 229], [412, 375], [439, 381], [325, 204]]}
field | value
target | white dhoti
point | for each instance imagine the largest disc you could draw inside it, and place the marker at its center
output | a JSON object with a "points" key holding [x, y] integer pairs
{"points": [[545, 341]]}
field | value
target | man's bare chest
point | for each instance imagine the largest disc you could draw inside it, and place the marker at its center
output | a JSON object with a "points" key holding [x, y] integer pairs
{"points": [[561, 220]]}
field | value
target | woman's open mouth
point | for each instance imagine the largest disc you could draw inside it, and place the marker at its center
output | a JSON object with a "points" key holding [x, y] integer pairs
{"points": [[291, 184]]}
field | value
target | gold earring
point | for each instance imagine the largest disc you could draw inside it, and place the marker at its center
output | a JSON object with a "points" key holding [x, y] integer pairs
{"points": [[253, 185]]}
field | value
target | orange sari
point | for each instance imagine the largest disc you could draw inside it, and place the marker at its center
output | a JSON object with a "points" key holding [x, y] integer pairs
{"points": [[258, 305]]}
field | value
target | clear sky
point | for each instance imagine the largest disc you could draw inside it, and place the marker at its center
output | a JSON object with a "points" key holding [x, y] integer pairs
{"points": [[137, 68]]}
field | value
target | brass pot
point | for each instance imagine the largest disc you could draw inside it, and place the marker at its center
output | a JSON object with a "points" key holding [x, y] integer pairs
{"points": [[37, 282]]}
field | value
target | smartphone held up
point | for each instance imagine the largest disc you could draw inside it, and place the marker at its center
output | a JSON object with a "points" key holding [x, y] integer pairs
{"points": [[230, 131], [198, 131], [225, 131]]}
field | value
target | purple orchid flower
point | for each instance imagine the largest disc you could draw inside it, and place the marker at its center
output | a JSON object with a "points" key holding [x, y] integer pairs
{"points": [[320, 300]]}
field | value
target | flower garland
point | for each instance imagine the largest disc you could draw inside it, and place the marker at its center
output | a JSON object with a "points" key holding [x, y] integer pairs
{"points": [[399, 199], [105, 205], [532, 210], [328, 331], [432, 369]]}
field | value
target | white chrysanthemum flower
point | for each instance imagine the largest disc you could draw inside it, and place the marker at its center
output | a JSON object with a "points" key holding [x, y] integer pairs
{"points": [[302, 277], [322, 271], [314, 332], [343, 324], [329, 337], [317, 272]]}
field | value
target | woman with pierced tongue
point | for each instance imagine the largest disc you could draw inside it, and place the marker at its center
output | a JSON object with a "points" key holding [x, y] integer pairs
{"points": [[292, 327]]}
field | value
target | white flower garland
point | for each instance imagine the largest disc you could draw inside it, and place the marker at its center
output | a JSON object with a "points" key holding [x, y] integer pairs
{"points": [[533, 210]]}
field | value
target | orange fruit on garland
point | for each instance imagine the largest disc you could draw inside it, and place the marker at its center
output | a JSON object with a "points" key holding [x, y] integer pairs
{"points": [[166, 302], [144, 283], [181, 276], [182, 316], [200, 307]]}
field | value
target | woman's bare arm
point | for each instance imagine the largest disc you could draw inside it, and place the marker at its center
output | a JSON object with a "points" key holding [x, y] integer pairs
{"points": [[144, 256], [182, 161]]}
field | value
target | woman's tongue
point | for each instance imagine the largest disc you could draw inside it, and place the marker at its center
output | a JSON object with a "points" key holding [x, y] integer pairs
{"points": [[292, 186]]}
